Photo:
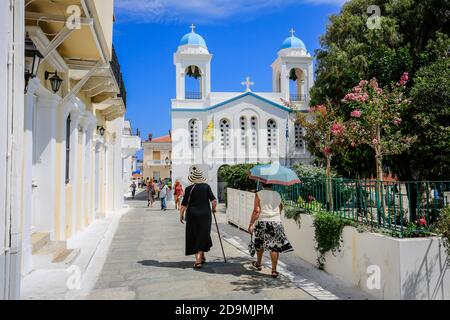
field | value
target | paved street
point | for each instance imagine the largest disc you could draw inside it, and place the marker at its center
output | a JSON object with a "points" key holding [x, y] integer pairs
{"points": [[146, 261]]}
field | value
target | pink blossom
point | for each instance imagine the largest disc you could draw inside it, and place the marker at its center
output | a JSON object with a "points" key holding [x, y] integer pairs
{"points": [[353, 144], [322, 109], [397, 121], [337, 129], [375, 142], [404, 79], [356, 114], [363, 83], [374, 83], [422, 222], [326, 151]]}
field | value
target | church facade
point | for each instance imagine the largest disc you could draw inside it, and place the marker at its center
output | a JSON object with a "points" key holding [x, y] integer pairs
{"points": [[213, 129]]}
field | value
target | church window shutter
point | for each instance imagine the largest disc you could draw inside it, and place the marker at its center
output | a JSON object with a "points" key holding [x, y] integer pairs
{"points": [[299, 141], [243, 126], [225, 133], [254, 126], [193, 132], [272, 136]]}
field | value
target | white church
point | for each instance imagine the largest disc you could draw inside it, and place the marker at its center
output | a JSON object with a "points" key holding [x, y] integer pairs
{"points": [[213, 129]]}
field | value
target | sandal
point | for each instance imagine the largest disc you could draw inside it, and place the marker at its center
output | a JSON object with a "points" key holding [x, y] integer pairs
{"points": [[198, 266], [257, 266], [275, 274], [203, 260]]}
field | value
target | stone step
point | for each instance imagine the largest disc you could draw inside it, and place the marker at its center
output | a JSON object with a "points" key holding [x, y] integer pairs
{"points": [[67, 256], [39, 240]]}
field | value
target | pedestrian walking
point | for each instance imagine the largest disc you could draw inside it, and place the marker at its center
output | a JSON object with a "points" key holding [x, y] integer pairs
{"points": [[163, 196], [178, 193], [133, 189], [269, 231], [196, 206], [150, 193]]}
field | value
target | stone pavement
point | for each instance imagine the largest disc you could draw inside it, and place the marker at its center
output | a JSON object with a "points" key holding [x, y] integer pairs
{"points": [[146, 261]]}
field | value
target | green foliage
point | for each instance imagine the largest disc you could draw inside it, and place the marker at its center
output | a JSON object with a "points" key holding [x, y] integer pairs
{"points": [[328, 234], [294, 213], [428, 118], [413, 35], [236, 176], [309, 171], [442, 227]]}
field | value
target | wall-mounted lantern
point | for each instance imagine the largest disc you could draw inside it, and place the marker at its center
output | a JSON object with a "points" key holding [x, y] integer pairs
{"points": [[55, 80], [101, 130], [33, 59]]}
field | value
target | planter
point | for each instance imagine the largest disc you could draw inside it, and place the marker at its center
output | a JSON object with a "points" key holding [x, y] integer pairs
{"points": [[413, 268]]}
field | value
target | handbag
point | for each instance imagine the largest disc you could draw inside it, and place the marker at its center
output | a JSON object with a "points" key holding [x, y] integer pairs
{"points": [[251, 247]]}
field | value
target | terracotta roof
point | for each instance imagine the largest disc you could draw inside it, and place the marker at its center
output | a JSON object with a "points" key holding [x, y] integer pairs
{"points": [[162, 139]]}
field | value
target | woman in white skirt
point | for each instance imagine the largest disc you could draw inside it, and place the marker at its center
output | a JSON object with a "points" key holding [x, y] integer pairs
{"points": [[269, 232]]}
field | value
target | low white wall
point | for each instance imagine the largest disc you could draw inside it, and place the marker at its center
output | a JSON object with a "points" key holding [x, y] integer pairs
{"points": [[408, 268]]}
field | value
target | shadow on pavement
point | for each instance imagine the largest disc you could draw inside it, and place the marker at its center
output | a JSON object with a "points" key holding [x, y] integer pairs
{"points": [[248, 279]]}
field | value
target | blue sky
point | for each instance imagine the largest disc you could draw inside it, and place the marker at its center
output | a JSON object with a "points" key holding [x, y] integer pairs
{"points": [[243, 36]]}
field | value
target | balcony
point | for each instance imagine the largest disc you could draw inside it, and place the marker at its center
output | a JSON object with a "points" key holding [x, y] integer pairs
{"points": [[298, 97], [149, 163], [192, 95], [115, 66], [130, 145]]}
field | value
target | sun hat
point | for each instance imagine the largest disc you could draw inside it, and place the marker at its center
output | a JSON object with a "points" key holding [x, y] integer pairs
{"points": [[196, 176]]}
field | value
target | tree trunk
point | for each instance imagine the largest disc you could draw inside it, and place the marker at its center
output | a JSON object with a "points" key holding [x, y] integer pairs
{"points": [[329, 188]]}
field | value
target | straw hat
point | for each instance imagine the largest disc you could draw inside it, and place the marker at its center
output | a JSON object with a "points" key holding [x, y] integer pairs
{"points": [[196, 176]]}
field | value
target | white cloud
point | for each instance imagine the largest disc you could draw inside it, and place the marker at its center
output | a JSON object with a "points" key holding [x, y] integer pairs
{"points": [[203, 10]]}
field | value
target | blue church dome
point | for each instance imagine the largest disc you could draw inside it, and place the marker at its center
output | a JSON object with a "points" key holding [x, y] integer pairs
{"points": [[293, 42], [193, 38]]}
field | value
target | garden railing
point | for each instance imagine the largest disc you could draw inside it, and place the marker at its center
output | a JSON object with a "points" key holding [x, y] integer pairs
{"points": [[394, 205]]}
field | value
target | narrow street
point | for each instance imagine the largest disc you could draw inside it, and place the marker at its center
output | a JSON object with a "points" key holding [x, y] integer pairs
{"points": [[146, 261]]}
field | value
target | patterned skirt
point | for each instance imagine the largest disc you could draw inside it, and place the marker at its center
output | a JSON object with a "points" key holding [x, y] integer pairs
{"points": [[271, 237]]}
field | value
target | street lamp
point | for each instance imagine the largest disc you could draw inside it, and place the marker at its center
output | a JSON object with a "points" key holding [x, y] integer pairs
{"points": [[167, 161], [32, 60], [101, 130], [55, 80]]}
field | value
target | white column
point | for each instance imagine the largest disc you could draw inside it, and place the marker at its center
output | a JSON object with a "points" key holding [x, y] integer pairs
{"points": [[75, 119], [44, 162], [27, 189]]}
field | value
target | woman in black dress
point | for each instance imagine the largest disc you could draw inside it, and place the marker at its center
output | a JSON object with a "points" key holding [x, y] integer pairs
{"points": [[196, 205]]}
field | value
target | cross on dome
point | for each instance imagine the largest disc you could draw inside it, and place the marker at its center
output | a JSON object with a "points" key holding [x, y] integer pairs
{"points": [[193, 28], [248, 84], [292, 31]]}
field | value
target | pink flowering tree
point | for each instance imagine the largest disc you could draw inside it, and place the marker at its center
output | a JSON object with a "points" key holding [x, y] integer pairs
{"points": [[325, 135], [375, 119]]}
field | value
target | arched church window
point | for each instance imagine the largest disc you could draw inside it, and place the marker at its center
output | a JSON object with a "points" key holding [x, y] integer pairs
{"points": [[254, 126], [243, 127], [299, 133], [297, 79], [193, 132], [272, 136], [225, 133], [193, 83]]}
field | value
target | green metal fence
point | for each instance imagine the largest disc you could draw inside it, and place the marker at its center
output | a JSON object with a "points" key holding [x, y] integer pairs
{"points": [[391, 205]]}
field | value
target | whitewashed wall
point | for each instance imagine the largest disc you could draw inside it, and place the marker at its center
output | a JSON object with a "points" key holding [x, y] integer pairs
{"points": [[409, 268]]}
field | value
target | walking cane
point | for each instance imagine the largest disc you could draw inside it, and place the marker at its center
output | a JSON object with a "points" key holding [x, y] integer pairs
{"points": [[220, 238]]}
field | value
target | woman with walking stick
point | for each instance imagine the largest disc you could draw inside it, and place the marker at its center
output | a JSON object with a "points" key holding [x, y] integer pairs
{"points": [[196, 204]]}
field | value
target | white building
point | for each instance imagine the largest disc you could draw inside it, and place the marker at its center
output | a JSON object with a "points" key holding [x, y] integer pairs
{"points": [[62, 148], [212, 129], [130, 145]]}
